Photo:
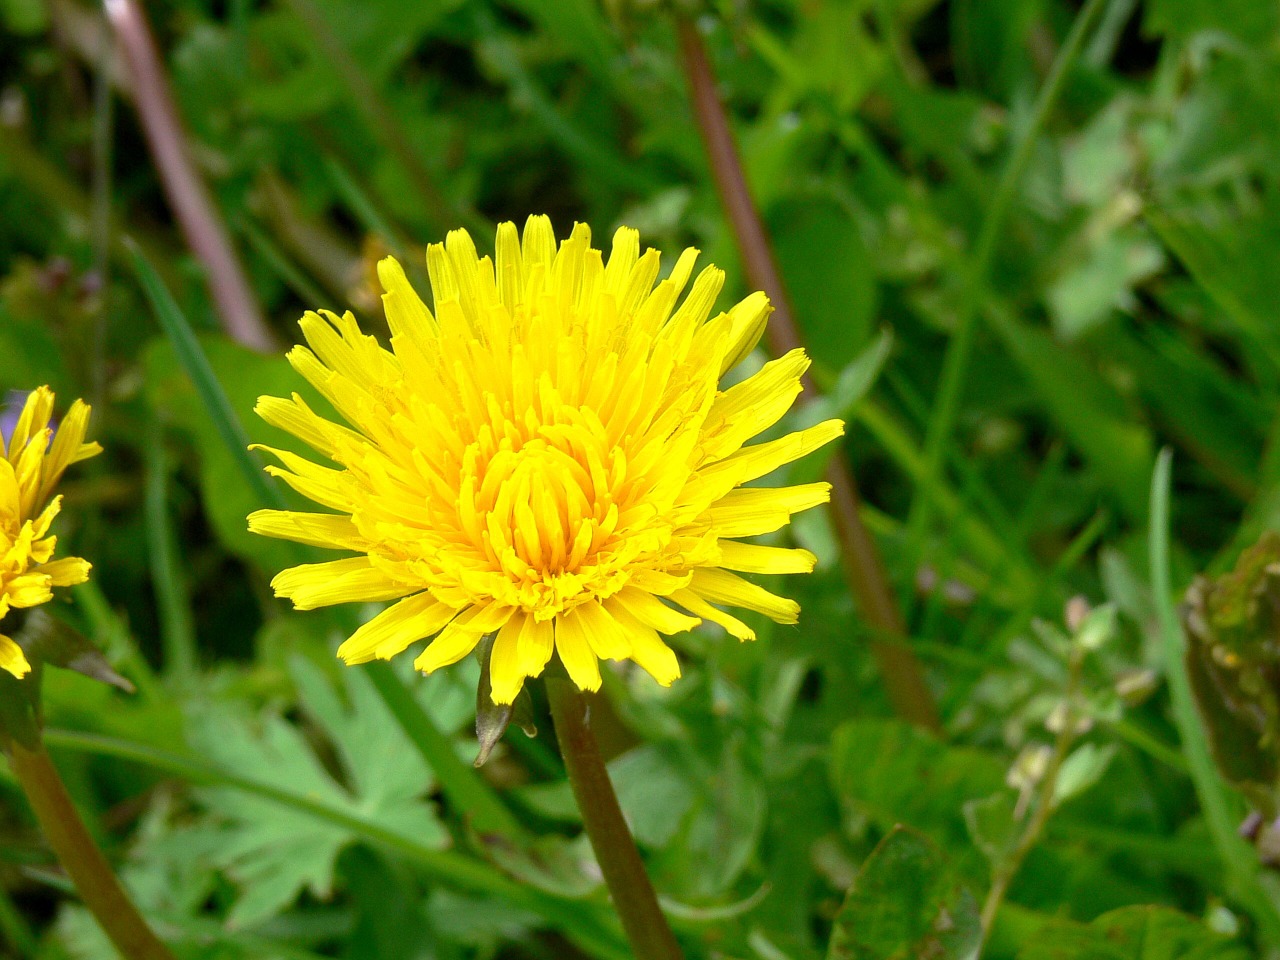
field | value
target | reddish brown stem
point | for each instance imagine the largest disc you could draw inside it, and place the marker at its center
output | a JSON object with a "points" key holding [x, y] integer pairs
{"points": [[900, 669], [633, 895], [81, 858], [201, 223]]}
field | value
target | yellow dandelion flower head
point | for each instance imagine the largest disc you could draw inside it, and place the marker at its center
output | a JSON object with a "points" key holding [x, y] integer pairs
{"points": [[546, 456], [31, 463]]}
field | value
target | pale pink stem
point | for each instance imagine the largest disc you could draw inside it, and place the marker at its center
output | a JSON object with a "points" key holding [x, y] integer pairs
{"points": [[201, 224]]}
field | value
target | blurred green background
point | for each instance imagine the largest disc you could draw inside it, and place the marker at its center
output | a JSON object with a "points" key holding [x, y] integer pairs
{"points": [[1128, 306]]}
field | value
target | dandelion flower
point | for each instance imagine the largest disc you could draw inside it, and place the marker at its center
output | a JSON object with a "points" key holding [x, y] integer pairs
{"points": [[546, 457], [31, 463]]}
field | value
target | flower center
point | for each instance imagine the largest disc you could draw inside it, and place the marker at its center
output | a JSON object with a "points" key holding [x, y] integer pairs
{"points": [[541, 507]]}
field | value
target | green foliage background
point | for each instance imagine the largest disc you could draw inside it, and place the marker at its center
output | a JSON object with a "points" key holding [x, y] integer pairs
{"points": [[265, 802]]}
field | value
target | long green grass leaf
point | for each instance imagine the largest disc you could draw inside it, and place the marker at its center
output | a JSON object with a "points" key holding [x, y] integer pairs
{"points": [[1239, 862]]}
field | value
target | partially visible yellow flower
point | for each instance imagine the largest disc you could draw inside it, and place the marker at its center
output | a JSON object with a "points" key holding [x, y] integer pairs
{"points": [[547, 457], [30, 467]]}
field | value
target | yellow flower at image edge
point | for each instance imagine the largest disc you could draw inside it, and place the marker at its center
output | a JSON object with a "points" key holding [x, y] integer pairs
{"points": [[32, 462], [547, 456]]}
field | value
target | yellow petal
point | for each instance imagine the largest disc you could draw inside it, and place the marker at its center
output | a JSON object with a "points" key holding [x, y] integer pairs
{"points": [[748, 319], [696, 605], [752, 406], [29, 590], [650, 611], [461, 636], [295, 417], [607, 639], [67, 571], [575, 652], [12, 658], [316, 529], [720, 586], [33, 419], [537, 643], [648, 650], [68, 447], [755, 558], [407, 315], [506, 678], [329, 488], [755, 461], [395, 628], [352, 580], [750, 511]]}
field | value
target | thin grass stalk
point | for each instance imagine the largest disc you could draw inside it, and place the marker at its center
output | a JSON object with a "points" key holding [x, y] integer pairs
{"points": [[201, 223], [955, 363], [80, 856], [1239, 862], [868, 580], [624, 873], [381, 119], [177, 626]]}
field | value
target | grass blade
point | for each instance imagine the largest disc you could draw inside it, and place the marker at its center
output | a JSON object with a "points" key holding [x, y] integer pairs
{"points": [[1239, 862]]}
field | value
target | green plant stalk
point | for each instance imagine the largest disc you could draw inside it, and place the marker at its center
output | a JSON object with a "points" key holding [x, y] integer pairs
{"points": [[446, 866], [381, 119], [1006, 870], [955, 363], [1239, 862], [868, 580], [460, 783], [624, 872], [177, 629], [80, 856]]}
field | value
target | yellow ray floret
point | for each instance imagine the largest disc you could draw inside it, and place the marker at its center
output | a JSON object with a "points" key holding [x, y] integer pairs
{"points": [[32, 460], [545, 455]]}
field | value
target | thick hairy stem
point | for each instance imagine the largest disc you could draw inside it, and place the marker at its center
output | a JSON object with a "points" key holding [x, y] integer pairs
{"points": [[633, 896], [81, 858]]}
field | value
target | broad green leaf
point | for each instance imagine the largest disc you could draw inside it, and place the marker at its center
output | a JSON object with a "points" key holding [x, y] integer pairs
{"points": [[903, 906], [228, 496], [1245, 19], [655, 793], [878, 765], [833, 292], [1133, 933], [1086, 408]]}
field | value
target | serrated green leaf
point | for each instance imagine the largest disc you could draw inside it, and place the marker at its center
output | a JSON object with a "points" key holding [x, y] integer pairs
{"points": [[273, 852]]}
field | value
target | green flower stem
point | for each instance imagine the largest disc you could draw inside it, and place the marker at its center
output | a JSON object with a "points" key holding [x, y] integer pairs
{"points": [[899, 667], [80, 856], [1045, 803], [633, 896]]}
